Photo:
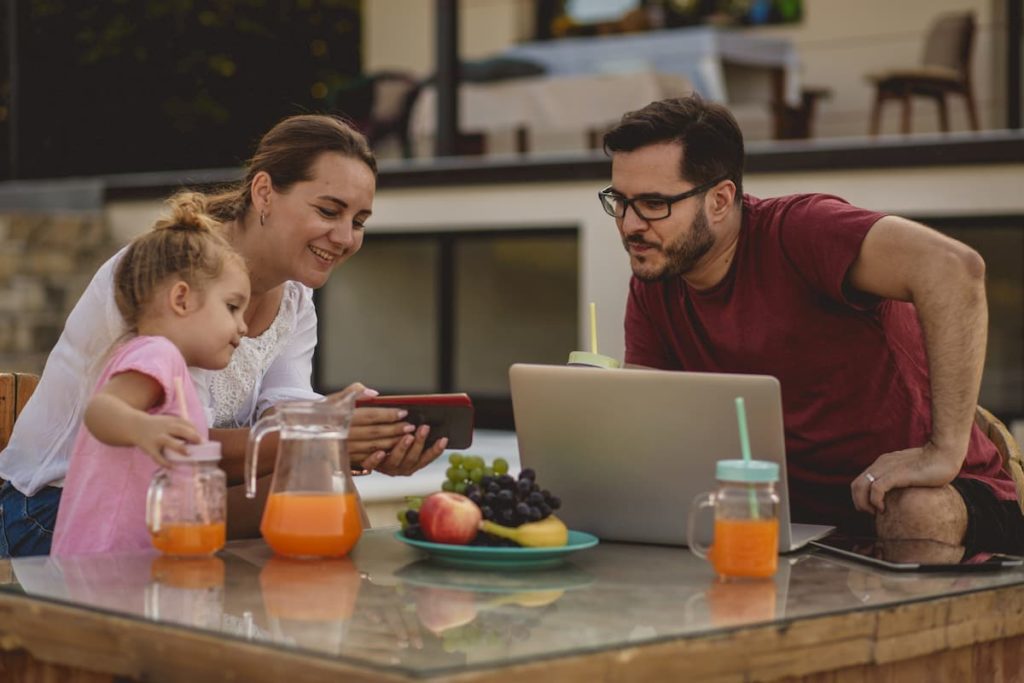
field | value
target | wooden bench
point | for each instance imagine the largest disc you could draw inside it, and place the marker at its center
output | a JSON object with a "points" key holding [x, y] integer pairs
{"points": [[15, 390]]}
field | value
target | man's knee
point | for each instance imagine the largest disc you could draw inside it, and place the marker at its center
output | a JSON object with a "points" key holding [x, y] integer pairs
{"points": [[923, 512]]}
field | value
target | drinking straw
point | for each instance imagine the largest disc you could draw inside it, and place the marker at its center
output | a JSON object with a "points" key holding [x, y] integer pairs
{"points": [[179, 389], [593, 328], [741, 416]]}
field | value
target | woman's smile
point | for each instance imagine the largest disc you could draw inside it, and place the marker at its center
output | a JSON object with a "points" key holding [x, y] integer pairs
{"points": [[327, 257]]}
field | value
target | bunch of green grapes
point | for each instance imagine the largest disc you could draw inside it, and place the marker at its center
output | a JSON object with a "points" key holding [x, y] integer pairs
{"points": [[466, 470]]}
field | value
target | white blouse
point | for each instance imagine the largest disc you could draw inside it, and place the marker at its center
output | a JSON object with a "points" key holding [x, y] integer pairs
{"points": [[276, 366]]}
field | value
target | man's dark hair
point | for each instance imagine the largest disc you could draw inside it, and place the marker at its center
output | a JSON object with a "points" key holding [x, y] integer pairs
{"points": [[711, 139]]}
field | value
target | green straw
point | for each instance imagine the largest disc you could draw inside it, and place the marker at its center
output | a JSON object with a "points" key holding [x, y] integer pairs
{"points": [[741, 416]]}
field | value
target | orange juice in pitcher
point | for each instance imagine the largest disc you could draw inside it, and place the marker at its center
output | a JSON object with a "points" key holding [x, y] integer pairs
{"points": [[301, 524], [313, 509]]}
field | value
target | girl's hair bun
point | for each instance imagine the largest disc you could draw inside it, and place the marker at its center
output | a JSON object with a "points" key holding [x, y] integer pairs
{"points": [[189, 212]]}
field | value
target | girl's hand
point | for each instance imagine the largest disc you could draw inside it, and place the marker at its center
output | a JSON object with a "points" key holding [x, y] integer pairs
{"points": [[116, 416], [154, 433]]}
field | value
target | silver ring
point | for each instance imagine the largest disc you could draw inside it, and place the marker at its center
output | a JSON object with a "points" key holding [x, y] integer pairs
{"points": [[870, 477]]}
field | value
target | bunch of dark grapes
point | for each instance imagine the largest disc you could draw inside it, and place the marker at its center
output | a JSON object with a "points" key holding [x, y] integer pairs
{"points": [[410, 519], [509, 501], [502, 498]]}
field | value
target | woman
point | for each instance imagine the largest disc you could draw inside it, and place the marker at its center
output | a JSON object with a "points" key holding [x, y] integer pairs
{"points": [[298, 214]]}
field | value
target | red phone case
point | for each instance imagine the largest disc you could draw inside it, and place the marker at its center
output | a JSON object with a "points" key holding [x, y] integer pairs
{"points": [[449, 415]]}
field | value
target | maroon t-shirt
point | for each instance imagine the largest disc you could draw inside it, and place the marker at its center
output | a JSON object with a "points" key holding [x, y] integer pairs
{"points": [[852, 367]]}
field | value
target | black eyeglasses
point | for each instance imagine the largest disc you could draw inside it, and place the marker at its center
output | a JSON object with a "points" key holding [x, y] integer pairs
{"points": [[649, 208]]}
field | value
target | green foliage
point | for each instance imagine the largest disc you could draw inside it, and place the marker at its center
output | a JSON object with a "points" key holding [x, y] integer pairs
{"points": [[125, 85]]}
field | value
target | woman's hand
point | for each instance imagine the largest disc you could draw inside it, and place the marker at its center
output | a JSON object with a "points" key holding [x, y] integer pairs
{"points": [[378, 439], [373, 433], [411, 453]]}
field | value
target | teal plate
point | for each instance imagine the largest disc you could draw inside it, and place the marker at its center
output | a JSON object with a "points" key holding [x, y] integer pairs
{"points": [[508, 559]]}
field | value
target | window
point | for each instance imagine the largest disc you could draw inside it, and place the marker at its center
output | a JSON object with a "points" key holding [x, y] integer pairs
{"points": [[450, 312]]}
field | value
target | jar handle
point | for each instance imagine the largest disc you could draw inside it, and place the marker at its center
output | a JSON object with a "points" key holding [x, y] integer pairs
{"points": [[154, 501], [701, 501]]}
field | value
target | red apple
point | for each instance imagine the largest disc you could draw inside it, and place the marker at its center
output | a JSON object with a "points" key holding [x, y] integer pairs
{"points": [[440, 609], [449, 518]]}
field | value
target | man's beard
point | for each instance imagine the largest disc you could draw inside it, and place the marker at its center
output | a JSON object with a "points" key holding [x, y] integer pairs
{"points": [[681, 256]]}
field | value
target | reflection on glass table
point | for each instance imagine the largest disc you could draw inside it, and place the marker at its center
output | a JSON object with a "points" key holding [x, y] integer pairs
{"points": [[387, 605]]}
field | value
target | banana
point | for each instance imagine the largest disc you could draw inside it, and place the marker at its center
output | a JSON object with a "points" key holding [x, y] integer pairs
{"points": [[547, 533]]}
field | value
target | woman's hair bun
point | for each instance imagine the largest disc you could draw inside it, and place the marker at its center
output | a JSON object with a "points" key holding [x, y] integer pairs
{"points": [[188, 211]]}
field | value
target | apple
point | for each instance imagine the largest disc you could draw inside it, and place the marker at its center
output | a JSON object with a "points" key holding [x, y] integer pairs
{"points": [[451, 518], [440, 609]]}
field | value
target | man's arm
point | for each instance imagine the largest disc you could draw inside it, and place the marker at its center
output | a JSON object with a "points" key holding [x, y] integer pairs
{"points": [[945, 280]]}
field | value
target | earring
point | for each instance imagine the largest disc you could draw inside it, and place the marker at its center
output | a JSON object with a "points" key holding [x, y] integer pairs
{"points": [[263, 217]]}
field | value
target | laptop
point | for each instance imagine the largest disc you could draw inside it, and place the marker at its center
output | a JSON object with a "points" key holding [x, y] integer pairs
{"points": [[628, 450]]}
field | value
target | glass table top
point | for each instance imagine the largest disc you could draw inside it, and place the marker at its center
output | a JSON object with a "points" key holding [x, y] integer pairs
{"points": [[389, 607]]}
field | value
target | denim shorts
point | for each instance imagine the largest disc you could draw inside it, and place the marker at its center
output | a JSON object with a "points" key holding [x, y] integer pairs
{"points": [[26, 523]]}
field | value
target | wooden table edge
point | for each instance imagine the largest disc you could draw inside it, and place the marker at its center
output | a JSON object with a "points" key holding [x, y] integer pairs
{"points": [[872, 638]]}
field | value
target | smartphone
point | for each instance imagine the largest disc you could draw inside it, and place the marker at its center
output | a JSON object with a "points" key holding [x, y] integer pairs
{"points": [[449, 415], [914, 555]]}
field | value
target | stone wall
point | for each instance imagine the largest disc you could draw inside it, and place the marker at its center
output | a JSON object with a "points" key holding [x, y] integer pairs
{"points": [[46, 261]]}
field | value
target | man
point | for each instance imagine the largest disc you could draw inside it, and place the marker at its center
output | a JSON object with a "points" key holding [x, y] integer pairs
{"points": [[874, 325]]}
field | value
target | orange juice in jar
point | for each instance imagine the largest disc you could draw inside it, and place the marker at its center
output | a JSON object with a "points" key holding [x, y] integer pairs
{"points": [[190, 539], [186, 503], [746, 528], [311, 524]]}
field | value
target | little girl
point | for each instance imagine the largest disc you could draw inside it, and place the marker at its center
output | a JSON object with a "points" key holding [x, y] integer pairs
{"points": [[182, 291]]}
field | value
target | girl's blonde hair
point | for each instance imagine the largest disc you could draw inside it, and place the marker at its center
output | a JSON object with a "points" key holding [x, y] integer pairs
{"points": [[189, 245]]}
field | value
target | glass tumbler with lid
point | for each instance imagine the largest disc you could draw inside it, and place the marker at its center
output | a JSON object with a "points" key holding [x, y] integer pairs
{"points": [[186, 505], [746, 528]]}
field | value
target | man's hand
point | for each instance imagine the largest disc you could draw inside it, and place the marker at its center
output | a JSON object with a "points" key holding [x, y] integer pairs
{"points": [[925, 466]]}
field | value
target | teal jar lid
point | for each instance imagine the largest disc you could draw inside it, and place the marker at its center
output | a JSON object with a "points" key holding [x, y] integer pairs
{"points": [[747, 471]]}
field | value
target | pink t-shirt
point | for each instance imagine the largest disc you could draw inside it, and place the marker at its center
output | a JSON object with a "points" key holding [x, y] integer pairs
{"points": [[853, 367], [103, 506]]}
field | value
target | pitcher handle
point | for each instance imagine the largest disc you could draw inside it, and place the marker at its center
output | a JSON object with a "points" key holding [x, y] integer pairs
{"points": [[701, 501], [267, 423]]}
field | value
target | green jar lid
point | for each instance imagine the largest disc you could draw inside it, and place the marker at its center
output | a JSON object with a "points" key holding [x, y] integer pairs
{"points": [[747, 471]]}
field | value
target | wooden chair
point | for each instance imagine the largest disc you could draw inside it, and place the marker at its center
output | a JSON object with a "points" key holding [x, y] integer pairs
{"points": [[15, 390], [945, 69], [1006, 446]]}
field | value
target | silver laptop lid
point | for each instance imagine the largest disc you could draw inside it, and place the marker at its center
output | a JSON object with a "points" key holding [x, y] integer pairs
{"points": [[627, 450]]}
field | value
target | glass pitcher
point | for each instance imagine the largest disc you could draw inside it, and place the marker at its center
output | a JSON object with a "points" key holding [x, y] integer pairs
{"points": [[310, 603], [313, 509]]}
